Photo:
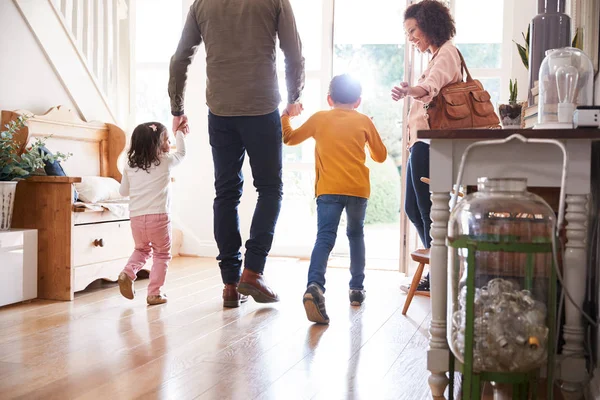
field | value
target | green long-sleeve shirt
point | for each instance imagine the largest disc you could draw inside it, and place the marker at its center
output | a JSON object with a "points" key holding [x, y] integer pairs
{"points": [[240, 41]]}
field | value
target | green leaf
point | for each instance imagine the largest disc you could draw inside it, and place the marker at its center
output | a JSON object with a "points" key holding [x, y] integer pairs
{"points": [[578, 39], [19, 166], [20, 171], [524, 55], [524, 50]]}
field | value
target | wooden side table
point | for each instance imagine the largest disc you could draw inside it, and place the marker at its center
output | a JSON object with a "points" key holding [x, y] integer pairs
{"points": [[18, 265], [541, 164]]}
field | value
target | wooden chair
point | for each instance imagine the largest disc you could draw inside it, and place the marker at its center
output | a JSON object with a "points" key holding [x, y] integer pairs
{"points": [[422, 257]]}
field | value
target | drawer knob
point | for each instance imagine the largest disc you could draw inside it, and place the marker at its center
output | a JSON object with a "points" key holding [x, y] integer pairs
{"points": [[99, 243]]}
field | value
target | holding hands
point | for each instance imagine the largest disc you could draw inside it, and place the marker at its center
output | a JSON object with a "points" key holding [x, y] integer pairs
{"points": [[180, 123], [293, 110]]}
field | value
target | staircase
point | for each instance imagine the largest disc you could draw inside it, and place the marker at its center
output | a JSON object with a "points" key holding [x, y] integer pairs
{"points": [[87, 42]]}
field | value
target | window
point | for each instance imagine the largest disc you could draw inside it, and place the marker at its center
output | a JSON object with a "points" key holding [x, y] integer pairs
{"points": [[369, 43], [298, 211], [158, 25], [480, 41]]}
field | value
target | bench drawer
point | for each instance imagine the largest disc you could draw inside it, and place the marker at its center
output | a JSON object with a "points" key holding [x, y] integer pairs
{"points": [[96, 243]]}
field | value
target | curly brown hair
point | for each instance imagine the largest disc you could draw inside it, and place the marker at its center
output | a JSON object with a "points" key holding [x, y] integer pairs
{"points": [[434, 19], [145, 151]]}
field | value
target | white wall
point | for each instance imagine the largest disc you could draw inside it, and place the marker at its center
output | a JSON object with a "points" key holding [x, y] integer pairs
{"points": [[194, 189], [27, 80], [522, 12]]}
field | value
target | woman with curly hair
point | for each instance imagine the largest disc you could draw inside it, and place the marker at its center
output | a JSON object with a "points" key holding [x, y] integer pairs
{"points": [[429, 27]]}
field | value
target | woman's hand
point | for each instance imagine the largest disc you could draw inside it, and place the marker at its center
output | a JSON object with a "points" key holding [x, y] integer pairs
{"points": [[400, 92]]}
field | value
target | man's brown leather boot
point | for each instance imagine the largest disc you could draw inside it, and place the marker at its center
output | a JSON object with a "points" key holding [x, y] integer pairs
{"points": [[253, 284], [231, 297]]}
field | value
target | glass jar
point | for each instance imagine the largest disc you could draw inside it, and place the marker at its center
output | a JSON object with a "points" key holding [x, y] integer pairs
{"points": [[499, 273], [566, 80]]}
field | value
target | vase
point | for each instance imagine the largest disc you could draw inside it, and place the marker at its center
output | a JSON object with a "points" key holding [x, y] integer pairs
{"points": [[510, 115], [550, 29], [7, 202]]}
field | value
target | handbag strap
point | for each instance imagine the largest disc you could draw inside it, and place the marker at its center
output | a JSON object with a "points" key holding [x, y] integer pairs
{"points": [[464, 66]]}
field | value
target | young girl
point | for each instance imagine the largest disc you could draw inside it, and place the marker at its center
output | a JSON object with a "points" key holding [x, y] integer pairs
{"points": [[146, 181]]}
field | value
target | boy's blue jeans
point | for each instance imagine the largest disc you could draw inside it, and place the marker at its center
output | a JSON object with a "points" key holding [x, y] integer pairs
{"points": [[329, 211]]}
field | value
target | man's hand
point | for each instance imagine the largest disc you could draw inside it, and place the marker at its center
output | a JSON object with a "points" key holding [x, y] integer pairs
{"points": [[400, 92], [293, 110], [184, 128], [179, 122]]}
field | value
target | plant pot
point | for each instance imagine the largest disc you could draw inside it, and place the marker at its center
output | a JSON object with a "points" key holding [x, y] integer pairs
{"points": [[7, 202], [510, 115]]}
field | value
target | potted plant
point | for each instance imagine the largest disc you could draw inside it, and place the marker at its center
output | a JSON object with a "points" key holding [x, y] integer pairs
{"points": [[510, 114], [17, 163]]}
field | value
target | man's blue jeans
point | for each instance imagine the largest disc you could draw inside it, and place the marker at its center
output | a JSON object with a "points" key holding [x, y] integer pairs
{"points": [[329, 212], [231, 138]]}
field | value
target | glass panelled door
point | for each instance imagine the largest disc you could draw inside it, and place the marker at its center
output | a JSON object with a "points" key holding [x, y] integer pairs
{"points": [[297, 226], [369, 43]]}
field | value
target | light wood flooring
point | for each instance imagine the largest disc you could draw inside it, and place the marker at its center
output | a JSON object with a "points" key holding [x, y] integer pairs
{"points": [[102, 346]]}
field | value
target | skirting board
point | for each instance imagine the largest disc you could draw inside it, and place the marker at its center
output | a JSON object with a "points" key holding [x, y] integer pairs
{"points": [[198, 248], [593, 389], [207, 248]]}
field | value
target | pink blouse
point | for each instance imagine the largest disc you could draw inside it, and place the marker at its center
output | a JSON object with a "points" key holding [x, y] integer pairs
{"points": [[443, 69]]}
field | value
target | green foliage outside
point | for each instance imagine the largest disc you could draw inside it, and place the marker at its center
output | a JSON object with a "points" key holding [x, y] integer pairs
{"points": [[379, 67], [481, 55], [384, 203]]}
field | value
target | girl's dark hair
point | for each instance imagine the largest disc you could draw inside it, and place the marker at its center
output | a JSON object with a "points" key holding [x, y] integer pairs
{"points": [[145, 145], [434, 19]]}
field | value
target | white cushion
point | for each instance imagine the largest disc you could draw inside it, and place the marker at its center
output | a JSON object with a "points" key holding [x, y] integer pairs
{"points": [[95, 189]]}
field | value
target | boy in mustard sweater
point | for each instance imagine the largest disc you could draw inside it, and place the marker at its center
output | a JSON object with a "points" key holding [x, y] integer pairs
{"points": [[342, 182]]}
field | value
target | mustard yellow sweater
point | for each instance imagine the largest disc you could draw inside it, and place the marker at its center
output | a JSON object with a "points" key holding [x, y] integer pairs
{"points": [[341, 136]]}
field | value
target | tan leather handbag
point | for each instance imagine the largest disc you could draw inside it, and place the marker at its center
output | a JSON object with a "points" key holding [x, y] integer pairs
{"points": [[462, 105]]}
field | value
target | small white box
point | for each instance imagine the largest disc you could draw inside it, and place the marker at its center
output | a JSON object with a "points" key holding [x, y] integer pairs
{"points": [[587, 117], [18, 265]]}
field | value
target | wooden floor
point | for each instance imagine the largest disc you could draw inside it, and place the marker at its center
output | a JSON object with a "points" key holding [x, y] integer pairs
{"points": [[102, 346]]}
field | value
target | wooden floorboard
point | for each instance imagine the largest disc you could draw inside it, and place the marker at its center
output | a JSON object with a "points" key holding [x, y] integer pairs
{"points": [[102, 346]]}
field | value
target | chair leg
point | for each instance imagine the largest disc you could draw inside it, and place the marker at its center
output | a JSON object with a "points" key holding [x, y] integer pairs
{"points": [[413, 287]]}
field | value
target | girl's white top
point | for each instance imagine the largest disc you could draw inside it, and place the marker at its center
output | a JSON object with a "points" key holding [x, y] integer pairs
{"points": [[149, 191]]}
